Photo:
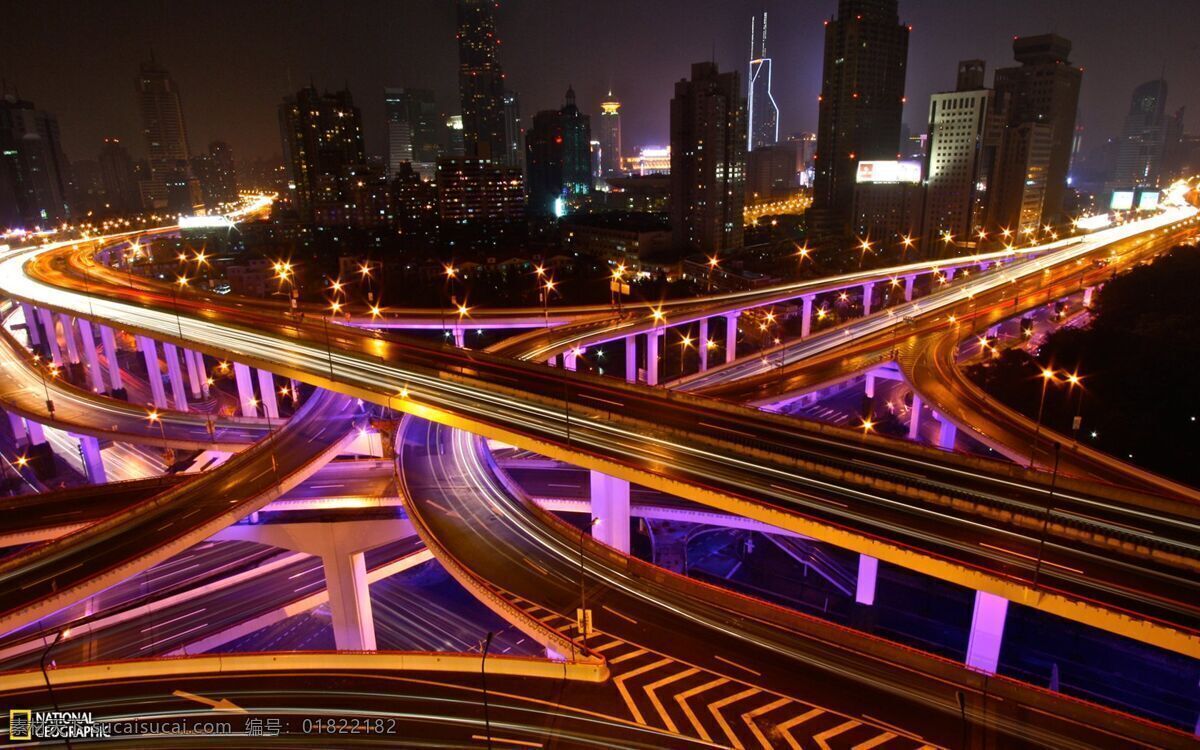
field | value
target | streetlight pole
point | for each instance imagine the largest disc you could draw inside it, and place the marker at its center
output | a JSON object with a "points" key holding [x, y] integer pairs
{"points": [[1046, 518], [1047, 376]]}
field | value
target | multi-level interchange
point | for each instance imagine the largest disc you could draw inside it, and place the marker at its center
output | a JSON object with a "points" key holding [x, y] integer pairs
{"points": [[458, 452]]}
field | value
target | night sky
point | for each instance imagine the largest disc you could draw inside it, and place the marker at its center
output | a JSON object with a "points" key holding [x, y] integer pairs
{"points": [[234, 61]]}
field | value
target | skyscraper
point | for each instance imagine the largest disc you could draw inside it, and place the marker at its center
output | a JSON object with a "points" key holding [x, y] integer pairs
{"points": [[171, 184], [514, 134], [1044, 90], [481, 81], [217, 174], [322, 140], [861, 102], [610, 136], [33, 183], [763, 113], [412, 130], [964, 138], [1144, 137], [558, 157], [708, 161], [116, 174]]}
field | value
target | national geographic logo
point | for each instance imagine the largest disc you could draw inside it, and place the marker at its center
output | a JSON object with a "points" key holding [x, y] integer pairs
{"points": [[20, 724]]}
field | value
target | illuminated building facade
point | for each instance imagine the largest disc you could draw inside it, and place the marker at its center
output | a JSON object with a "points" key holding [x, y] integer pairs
{"points": [[171, 184], [708, 161], [412, 130], [32, 167], [558, 157], [610, 136], [1143, 138], [217, 174], [763, 113], [322, 138], [481, 82], [117, 177], [480, 204]]}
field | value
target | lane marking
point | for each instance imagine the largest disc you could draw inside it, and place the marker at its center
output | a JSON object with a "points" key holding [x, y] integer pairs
{"points": [[749, 716], [715, 709], [682, 699], [620, 683], [785, 727], [739, 666], [609, 609], [829, 734], [658, 706]]}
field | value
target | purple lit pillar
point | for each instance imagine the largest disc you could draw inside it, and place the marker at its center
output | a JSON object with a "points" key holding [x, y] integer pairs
{"points": [[806, 315], [16, 423], [202, 373], [93, 464], [349, 601], [1087, 296], [68, 326], [864, 589], [949, 274], [869, 386], [35, 338], [194, 373], [266, 387], [652, 357], [987, 632], [610, 510], [909, 282], [631, 359], [868, 293], [109, 341], [731, 328], [702, 344], [88, 337], [47, 319], [175, 375], [460, 336], [914, 419], [153, 373], [37, 435], [245, 387], [571, 358], [946, 434]]}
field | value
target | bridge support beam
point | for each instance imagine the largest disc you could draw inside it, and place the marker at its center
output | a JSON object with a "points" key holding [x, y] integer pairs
{"points": [[731, 329], [108, 340], [987, 632], [946, 434], [68, 326], [47, 320], [1087, 296], [35, 431], [193, 373], [460, 337], [87, 334], [869, 385], [864, 589], [266, 388], [31, 326], [652, 357], [909, 282], [245, 388], [914, 418], [349, 601], [16, 423], [610, 510], [702, 344], [93, 463], [949, 274], [631, 359], [571, 358], [175, 375], [153, 374], [867, 297], [806, 315]]}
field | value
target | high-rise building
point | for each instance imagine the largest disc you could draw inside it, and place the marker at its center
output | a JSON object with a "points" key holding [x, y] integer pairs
{"points": [[771, 173], [171, 184], [322, 138], [558, 157], [217, 174], [610, 136], [708, 161], [964, 138], [33, 168], [116, 173], [1019, 187], [1144, 137], [414, 209], [481, 81], [455, 144], [514, 133], [1044, 90], [412, 130], [861, 102], [762, 112], [480, 204]]}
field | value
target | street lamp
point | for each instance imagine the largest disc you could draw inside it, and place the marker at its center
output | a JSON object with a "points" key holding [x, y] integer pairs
{"points": [[1047, 376], [713, 262]]}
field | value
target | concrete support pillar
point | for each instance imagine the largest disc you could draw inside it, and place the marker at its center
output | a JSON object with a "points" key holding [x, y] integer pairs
{"points": [[153, 373], [47, 320], [1087, 296], [631, 359], [909, 282], [16, 423], [806, 315], [949, 274], [68, 326], [193, 373], [987, 632], [88, 337], [31, 327], [869, 386], [245, 387], [349, 601], [652, 358], [984, 266], [202, 372], [993, 332], [610, 510], [946, 434], [571, 359], [914, 419], [868, 293], [109, 340], [266, 388], [93, 464], [702, 344], [552, 360], [460, 336], [175, 376], [37, 434], [731, 329], [864, 589]]}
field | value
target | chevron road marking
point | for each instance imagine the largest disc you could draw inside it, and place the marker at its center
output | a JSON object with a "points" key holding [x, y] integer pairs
{"points": [[874, 742], [620, 683], [658, 706], [626, 657], [831, 733], [786, 726], [715, 708], [749, 716], [682, 698]]}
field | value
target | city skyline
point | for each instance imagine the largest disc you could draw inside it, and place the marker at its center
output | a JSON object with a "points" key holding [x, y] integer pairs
{"points": [[540, 58]]}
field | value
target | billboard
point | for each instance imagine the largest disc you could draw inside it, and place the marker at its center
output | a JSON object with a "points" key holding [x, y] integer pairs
{"points": [[889, 171], [1148, 200], [1122, 200]]}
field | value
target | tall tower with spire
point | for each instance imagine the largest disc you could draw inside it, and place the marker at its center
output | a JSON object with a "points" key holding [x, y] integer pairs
{"points": [[481, 82], [610, 136], [761, 107]]}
